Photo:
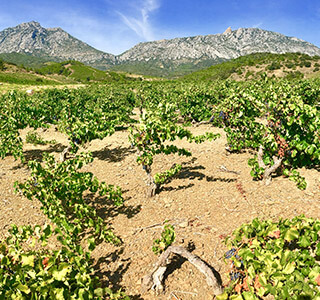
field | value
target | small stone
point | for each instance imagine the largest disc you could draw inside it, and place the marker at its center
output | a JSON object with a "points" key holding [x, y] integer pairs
{"points": [[183, 224], [166, 200]]}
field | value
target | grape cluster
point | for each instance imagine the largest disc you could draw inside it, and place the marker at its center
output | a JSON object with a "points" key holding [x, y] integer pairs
{"points": [[282, 146], [234, 275], [230, 253], [241, 261], [235, 272], [76, 141], [221, 114]]}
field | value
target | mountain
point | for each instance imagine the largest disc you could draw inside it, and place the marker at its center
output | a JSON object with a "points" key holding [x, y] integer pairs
{"points": [[172, 57], [178, 54], [52, 44]]}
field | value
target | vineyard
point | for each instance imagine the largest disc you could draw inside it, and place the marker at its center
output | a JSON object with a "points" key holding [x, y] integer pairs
{"points": [[100, 183]]}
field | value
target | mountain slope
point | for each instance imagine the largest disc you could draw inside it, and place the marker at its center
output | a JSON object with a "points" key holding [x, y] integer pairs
{"points": [[174, 57], [174, 54], [259, 65], [50, 43]]}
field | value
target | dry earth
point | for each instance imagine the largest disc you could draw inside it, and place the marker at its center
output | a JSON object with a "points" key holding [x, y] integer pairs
{"points": [[204, 203]]}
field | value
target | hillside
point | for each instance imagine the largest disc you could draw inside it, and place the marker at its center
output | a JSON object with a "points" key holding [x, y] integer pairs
{"points": [[253, 66], [50, 43], [25, 60], [68, 72], [165, 58], [80, 72], [13, 74]]}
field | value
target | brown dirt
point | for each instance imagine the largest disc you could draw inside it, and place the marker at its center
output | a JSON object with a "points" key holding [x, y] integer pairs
{"points": [[203, 202]]}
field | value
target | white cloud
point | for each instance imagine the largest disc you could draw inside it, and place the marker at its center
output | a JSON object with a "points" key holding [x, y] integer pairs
{"points": [[100, 33], [140, 23]]}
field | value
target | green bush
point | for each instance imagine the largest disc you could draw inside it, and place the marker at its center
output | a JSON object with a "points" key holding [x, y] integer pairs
{"points": [[275, 65], [34, 138], [290, 65], [294, 75], [2, 67], [167, 238], [248, 74], [274, 258], [29, 273], [307, 64]]}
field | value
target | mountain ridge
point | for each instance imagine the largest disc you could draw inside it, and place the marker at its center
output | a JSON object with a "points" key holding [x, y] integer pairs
{"points": [[55, 43], [166, 57]]}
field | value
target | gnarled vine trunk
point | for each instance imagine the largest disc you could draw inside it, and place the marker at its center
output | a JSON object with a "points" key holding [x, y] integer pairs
{"points": [[64, 154], [154, 279], [152, 186], [268, 169]]}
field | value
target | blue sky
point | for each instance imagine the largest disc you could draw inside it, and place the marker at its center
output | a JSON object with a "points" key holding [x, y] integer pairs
{"points": [[116, 25]]}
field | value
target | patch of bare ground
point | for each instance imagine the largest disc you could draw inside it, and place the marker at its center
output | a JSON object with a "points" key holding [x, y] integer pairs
{"points": [[211, 196]]}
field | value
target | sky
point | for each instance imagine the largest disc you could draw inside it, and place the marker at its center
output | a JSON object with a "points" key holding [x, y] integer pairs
{"points": [[114, 26]]}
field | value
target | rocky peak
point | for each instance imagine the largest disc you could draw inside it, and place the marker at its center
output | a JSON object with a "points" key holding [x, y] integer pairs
{"points": [[228, 30], [31, 25], [32, 38]]}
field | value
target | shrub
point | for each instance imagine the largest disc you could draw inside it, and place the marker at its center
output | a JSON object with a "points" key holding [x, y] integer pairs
{"points": [[274, 258], [1, 65], [275, 65]]}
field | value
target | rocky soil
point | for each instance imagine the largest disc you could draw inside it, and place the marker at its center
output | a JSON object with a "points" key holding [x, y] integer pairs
{"points": [[212, 195]]}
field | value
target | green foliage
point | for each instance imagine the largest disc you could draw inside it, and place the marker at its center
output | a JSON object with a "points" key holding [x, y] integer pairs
{"points": [[25, 78], [17, 112], [80, 72], [195, 104], [167, 238], [224, 70], [294, 75], [10, 141], [154, 135], [28, 273], [87, 115], [2, 66], [164, 177], [274, 258], [61, 189], [28, 61], [275, 65], [34, 138], [238, 113], [28, 270], [281, 116], [290, 130]]}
